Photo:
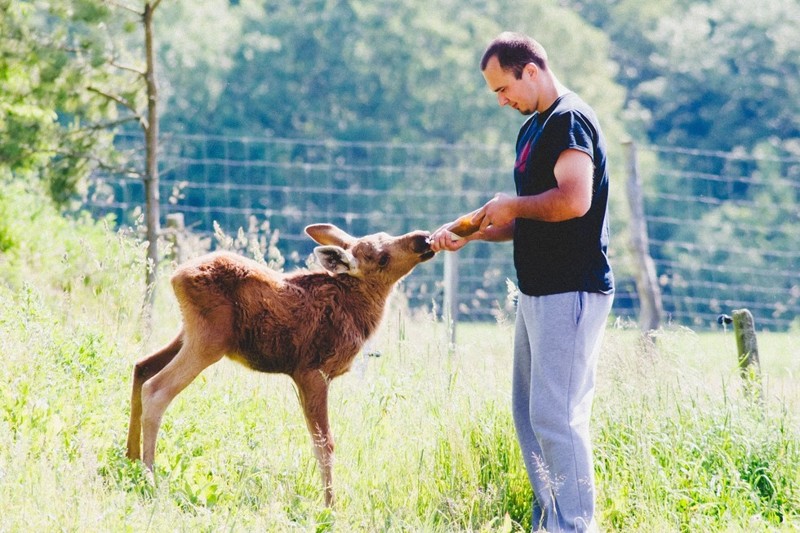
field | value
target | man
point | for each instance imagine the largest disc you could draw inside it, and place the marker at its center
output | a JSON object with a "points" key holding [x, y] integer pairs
{"points": [[558, 222]]}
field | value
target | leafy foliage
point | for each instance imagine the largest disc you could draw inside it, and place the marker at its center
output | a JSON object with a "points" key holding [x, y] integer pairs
{"points": [[353, 70], [707, 74], [49, 121]]}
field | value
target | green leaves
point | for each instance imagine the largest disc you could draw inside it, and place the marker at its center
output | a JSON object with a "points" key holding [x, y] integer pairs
{"points": [[50, 54], [365, 71], [707, 74]]}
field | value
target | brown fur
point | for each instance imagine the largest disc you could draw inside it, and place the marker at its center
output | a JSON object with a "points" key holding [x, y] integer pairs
{"points": [[309, 325]]}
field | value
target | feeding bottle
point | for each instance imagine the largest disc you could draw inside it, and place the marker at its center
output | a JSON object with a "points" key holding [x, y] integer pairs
{"points": [[463, 225]]}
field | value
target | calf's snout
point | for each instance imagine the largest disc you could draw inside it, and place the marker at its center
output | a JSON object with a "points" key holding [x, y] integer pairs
{"points": [[420, 243]]}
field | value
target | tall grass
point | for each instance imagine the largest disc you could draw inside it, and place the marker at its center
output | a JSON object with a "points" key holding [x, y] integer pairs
{"points": [[424, 435], [678, 438]]}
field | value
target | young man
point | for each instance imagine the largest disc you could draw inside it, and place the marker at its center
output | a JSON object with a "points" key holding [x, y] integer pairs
{"points": [[558, 222]]}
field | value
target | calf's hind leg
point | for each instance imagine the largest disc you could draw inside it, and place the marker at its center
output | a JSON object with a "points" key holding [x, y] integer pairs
{"points": [[142, 371], [157, 392]]}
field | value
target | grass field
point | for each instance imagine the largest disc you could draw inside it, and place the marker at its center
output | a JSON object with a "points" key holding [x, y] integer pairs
{"points": [[424, 435]]}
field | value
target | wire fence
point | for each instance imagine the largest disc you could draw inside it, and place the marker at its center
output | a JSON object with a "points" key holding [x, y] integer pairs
{"points": [[724, 232], [714, 247]]}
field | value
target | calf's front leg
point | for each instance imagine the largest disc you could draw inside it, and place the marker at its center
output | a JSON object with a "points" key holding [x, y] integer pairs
{"points": [[313, 388]]}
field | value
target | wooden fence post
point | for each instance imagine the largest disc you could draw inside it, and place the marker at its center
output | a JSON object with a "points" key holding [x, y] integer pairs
{"points": [[647, 286], [747, 347], [174, 233]]}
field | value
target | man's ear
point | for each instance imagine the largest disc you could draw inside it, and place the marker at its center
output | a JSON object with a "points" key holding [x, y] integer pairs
{"points": [[532, 69], [335, 259]]}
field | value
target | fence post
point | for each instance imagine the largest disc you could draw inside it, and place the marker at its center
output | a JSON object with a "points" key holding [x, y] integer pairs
{"points": [[647, 286], [174, 232], [747, 346], [450, 303]]}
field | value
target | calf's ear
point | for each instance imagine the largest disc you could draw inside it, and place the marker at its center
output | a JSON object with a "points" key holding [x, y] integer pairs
{"points": [[335, 259], [330, 234]]}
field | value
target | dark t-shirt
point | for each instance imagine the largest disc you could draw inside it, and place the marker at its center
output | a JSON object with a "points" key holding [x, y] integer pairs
{"points": [[557, 257]]}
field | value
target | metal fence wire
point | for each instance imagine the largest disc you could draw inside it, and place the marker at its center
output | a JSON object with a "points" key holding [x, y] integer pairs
{"points": [[724, 228]]}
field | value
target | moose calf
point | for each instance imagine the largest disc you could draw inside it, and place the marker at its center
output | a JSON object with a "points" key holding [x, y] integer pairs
{"points": [[309, 325]]}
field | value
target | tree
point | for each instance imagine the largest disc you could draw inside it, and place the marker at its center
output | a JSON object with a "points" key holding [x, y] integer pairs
{"points": [[363, 70], [731, 77], [144, 74], [51, 128], [196, 57], [709, 74]]}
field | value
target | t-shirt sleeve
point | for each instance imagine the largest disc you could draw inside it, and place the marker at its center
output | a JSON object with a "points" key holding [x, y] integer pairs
{"points": [[577, 133]]}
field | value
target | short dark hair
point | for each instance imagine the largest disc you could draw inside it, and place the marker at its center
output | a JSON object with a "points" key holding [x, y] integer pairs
{"points": [[514, 51]]}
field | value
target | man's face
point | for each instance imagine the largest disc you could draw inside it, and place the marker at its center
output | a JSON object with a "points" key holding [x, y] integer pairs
{"points": [[521, 94]]}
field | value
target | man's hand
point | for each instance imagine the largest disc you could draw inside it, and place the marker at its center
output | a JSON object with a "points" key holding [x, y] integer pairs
{"points": [[445, 240], [495, 220], [499, 212]]}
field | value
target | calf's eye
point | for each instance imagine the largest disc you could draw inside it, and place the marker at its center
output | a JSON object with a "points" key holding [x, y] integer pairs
{"points": [[383, 260]]}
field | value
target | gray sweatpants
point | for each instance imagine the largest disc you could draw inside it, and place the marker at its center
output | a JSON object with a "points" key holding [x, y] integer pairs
{"points": [[556, 345]]}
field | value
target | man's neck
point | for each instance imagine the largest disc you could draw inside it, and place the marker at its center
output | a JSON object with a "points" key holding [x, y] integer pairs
{"points": [[551, 92]]}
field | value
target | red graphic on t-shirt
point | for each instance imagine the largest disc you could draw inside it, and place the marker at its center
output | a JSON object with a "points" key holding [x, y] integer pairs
{"points": [[522, 158]]}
